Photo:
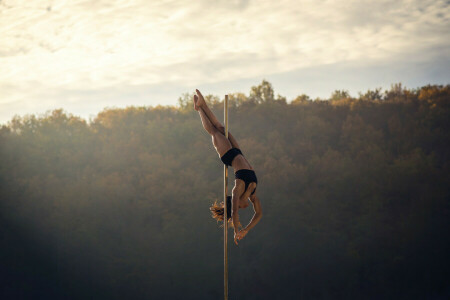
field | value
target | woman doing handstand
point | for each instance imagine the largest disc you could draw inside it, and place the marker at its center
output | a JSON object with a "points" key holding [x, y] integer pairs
{"points": [[230, 154]]}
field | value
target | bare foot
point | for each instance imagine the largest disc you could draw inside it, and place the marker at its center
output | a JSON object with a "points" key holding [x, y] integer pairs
{"points": [[196, 107], [200, 99]]}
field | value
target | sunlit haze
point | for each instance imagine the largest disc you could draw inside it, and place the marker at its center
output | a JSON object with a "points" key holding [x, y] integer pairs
{"points": [[83, 56]]}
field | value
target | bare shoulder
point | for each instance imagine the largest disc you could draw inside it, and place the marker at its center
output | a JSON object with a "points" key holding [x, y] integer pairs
{"points": [[254, 198], [256, 203]]}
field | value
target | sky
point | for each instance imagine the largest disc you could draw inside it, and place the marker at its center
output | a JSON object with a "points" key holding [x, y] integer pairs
{"points": [[84, 55]]}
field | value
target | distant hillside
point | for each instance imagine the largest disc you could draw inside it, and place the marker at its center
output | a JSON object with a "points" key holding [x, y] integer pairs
{"points": [[355, 195]]}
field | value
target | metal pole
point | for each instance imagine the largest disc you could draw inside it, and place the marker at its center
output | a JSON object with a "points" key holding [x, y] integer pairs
{"points": [[225, 222]]}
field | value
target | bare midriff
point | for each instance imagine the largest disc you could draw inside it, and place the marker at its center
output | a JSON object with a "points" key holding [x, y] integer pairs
{"points": [[239, 163]]}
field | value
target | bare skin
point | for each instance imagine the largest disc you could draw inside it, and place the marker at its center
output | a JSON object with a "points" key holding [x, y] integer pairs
{"points": [[240, 195]]}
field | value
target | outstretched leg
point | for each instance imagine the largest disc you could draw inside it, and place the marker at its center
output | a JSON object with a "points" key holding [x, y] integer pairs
{"points": [[200, 103], [220, 142], [209, 127]]}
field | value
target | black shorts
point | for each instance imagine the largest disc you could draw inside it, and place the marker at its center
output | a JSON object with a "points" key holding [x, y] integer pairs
{"points": [[228, 157]]}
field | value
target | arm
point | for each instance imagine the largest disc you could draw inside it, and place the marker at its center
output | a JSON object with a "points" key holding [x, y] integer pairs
{"points": [[256, 217], [258, 212], [237, 191]]}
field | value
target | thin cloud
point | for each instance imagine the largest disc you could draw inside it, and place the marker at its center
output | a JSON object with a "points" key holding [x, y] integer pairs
{"points": [[83, 45]]}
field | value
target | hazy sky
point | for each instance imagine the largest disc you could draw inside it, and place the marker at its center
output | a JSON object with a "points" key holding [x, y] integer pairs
{"points": [[85, 55]]}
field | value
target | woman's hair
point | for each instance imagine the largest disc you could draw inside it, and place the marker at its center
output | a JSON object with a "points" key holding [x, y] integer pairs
{"points": [[217, 211]]}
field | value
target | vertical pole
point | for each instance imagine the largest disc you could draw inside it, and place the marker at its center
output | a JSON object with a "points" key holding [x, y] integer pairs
{"points": [[225, 208]]}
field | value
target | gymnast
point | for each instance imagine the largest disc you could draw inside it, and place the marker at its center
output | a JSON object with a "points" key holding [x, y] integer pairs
{"points": [[231, 155]]}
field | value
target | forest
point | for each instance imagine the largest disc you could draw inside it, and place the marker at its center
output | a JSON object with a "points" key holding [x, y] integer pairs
{"points": [[354, 190]]}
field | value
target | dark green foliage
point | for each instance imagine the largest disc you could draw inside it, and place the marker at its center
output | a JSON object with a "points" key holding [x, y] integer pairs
{"points": [[355, 195]]}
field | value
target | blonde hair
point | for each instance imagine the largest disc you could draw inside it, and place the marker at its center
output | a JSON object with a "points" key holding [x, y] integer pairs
{"points": [[217, 212]]}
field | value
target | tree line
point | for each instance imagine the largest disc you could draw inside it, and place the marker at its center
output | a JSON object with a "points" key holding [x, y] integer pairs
{"points": [[354, 191]]}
